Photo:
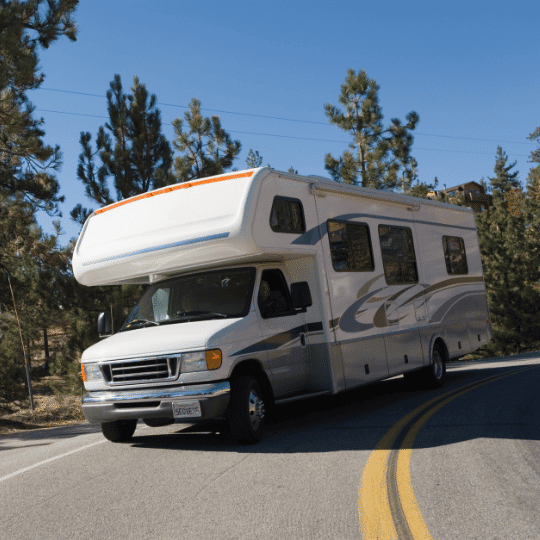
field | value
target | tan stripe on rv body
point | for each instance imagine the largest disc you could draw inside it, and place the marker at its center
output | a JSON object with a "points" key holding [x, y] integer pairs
{"points": [[437, 287]]}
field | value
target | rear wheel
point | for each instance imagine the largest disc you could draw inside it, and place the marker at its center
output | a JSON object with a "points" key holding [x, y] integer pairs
{"points": [[435, 374], [119, 430], [246, 410], [431, 376]]}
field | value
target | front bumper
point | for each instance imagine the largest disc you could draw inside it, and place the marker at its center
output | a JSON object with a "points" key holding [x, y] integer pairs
{"points": [[107, 406]]}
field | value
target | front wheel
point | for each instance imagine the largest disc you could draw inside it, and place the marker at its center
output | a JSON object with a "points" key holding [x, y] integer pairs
{"points": [[246, 410], [119, 430]]}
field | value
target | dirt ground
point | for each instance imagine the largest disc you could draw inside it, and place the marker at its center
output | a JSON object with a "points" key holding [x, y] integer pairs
{"points": [[50, 410]]}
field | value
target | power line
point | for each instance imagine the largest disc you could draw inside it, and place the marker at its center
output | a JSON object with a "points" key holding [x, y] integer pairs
{"points": [[253, 115], [202, 108], [289, 136]]}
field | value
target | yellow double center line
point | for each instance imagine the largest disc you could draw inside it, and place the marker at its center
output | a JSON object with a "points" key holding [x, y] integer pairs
{"points": [[387, 506]]}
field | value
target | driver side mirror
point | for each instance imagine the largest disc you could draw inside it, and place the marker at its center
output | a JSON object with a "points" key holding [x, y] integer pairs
{"points": [[301, 295], [104, 324]]}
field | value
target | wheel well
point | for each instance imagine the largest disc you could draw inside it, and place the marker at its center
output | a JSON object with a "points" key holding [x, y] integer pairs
{"points": [[254, 368], [442, 345]]}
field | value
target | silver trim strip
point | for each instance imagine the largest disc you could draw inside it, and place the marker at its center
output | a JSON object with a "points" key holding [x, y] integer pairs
{"points": [[158, 248], [193, 391]]}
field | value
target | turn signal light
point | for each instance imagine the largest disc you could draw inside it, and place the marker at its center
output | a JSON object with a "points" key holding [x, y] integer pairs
{"points": [[213, 359]]}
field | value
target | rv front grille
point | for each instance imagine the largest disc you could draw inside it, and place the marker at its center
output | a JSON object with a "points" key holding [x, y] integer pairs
{"points": [[141, 370]]}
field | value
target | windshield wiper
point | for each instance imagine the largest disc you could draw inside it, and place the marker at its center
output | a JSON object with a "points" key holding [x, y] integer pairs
{"points": [[190, 315], [138, 321]]}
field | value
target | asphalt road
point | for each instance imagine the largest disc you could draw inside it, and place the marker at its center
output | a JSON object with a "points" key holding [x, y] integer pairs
{"points": [[385, 461]]}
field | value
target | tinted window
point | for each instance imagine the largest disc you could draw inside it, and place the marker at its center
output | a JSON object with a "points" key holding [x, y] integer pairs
{"points": [[350, 246], [287, 216], [274, 298], [397, 250], [454, 255]]}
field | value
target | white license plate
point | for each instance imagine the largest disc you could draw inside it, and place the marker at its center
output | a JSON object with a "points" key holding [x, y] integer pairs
{"points": [[186, 409]]}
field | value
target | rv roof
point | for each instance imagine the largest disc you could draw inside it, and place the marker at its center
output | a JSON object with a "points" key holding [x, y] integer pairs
{"points": [[184, 185], [320, 183]]}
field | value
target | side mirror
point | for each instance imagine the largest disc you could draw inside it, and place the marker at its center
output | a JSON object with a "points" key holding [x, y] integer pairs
{"points": [[300, 294], [104, 324]]}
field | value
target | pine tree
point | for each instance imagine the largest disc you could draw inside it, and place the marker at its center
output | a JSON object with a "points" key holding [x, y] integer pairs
{"points": [[504, 180], [134, 154], [531, 208], [376, 154], [207, 149], [253, 159], [38, 267], [27, 164], [417, 188], [533, 179], [510, 269]]}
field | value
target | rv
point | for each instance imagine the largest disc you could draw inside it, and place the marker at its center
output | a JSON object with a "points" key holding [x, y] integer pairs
{"points": [[264, 287]]}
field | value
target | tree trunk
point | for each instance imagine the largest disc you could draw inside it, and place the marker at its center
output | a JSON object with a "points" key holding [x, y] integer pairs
{"points": [[46, 346]]}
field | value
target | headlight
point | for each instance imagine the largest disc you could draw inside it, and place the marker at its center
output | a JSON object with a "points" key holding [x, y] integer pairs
{"points": [[201, 361], [195, 361], [91, 372]]}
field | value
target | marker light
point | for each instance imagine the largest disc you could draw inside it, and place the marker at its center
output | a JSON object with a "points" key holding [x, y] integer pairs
{"points": [[91, 372], [201, 361], [213, 359]]}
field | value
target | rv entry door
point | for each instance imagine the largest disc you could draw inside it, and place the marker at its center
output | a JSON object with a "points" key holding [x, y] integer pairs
{"points": [[283, 331]]}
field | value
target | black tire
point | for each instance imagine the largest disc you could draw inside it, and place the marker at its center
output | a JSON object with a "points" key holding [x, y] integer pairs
{"points": [[119, 430], [246, 410], [435, 374]]}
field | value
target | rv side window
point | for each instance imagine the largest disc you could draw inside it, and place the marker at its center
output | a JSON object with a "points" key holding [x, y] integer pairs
{"points": [[454, 255], [274, 297], [287, 216], [350, 246], [398, 256]]}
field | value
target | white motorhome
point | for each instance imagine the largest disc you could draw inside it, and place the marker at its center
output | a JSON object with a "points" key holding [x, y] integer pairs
{"points": [[265, 286]]}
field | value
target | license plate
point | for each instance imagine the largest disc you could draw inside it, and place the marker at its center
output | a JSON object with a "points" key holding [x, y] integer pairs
{"points": [[187, 409]]}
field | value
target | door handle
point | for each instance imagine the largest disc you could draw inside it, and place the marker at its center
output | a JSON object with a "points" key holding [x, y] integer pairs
{"points": [[303, 339]]}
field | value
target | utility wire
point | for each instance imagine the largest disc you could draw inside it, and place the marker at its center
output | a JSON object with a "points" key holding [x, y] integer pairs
{"points": [[274, 118], [290, 136]]}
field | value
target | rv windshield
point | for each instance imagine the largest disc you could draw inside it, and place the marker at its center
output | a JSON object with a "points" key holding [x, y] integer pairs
{"points": [[219, 294]]}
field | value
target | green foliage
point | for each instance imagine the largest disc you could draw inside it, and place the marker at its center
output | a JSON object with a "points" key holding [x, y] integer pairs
{"points": [[207, 149], [511, 265], [533, 179], [412, 186], [504, 180], [85, 303], [131, 148], [376, 155], [511, 278], [38, 270], [12, 374], [27, 164], [253, 159]]}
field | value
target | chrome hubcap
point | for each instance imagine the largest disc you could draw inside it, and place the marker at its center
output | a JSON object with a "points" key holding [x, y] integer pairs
{"points": [[256, 409]]}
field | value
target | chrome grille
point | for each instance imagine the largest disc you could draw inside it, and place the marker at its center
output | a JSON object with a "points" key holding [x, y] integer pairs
{"points": [[141, 370]]}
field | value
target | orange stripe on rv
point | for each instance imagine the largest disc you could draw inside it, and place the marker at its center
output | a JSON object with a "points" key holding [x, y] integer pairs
{"points": [[167, 189]]}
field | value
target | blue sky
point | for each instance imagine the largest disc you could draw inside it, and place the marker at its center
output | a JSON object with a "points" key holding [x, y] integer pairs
{"points": [[469, 69]]}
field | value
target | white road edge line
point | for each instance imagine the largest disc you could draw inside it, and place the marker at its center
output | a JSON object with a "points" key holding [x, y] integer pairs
{"points": [[20, 471]]}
